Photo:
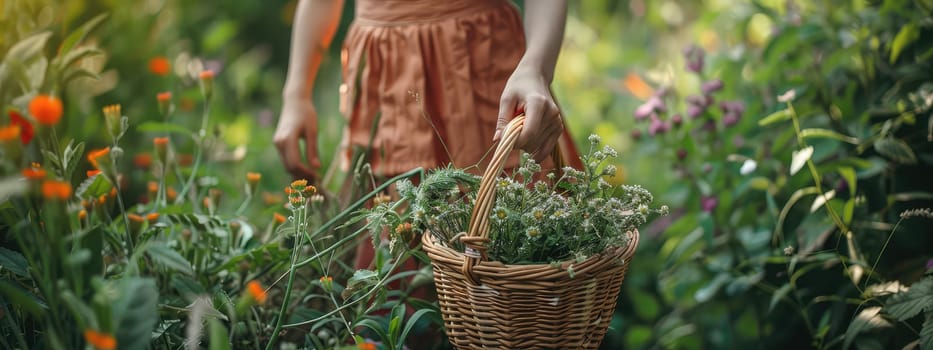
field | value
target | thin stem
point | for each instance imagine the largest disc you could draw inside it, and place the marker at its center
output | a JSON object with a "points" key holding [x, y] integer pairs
{"points": [[202, 135], [881, 253], [299, 224]]}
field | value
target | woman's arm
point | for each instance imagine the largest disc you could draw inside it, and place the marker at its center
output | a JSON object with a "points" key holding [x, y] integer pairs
{"points": [[313, 29], [528, 88]]}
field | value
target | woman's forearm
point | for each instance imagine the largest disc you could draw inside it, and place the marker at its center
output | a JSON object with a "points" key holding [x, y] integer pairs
{"points": [[313, 29], [544, 32]]}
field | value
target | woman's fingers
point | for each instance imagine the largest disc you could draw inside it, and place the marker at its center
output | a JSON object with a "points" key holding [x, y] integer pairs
{"points": [[507, 107], [286, 142]]}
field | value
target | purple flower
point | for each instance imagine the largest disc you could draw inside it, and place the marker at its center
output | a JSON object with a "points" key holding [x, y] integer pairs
{"points": [[651, 106], [677, 120], [636, 134], [736, 107], [711, 86], [929, 264], [700, 101], [730, 119], [694, 56], [657, 126], [681, 154], [694, 111], [709, 203]]}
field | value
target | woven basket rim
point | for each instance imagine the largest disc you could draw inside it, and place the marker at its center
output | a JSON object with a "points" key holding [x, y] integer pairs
{"points": [[442, 253]]}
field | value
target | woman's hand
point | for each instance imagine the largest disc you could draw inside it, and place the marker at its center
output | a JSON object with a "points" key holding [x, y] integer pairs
{"points": [[528, 90], [298, 121]]}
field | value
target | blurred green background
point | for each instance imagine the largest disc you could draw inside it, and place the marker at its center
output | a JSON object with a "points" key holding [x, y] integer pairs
{"points": [[755, 254]]}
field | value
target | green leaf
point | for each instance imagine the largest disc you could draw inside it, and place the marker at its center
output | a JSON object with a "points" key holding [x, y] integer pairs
{"points": [[168, 257], [79, 34], [904, 37], [779, 294], [800, 158], [78, 54], [188, 288], [27, 48], [903, 306], [775, 117], [707, 293], [375, 326], [826, 133], [361, 280], [796, 196], [415, 317], [14, 262], [218, 335], [163, 127], [75, 73], [22, 298], [646, 305], [867, 320], [895, 149], [926, 333], [135, 312], [848, 174], [95, 186]]}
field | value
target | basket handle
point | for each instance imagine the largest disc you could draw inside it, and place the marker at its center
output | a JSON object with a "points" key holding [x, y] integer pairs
{"points": [[475, 240]]}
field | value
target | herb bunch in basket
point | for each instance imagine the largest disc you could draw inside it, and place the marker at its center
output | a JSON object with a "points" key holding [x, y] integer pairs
{"points": [[537, 218]]}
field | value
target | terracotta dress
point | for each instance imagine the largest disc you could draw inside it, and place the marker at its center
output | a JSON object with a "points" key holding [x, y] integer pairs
{"points": [[422, 81]]}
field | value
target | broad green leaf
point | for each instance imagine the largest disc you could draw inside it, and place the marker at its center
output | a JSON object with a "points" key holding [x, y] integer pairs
{"points": [[168, 257], [75, 73], [187, 287], [78, 54], [848, 211], [218, 335], [22, 298], [79, 34], [375, 326], [14, 262], [84, 314], [646, 305], [775, 117], [707, 293], [637, 336], [826, 133], [904, 37], [800, 158], [95, 186], [867, 320], [820, 200], [906, 305], [135, 311], [926, 333], [28, 47], [412, 321], [895, 149], [361, 280]]}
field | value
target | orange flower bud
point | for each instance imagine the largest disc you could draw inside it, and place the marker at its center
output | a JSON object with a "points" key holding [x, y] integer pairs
{"points": [[47, 110], [159, 65], [100, 341], [256, 291], [56, 190]]}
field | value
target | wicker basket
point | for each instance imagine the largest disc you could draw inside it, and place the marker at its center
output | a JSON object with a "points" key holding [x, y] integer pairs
{"points": [[490, 305]]}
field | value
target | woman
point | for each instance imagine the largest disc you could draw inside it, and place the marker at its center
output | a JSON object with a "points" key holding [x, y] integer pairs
{"points": [[436, 80]]}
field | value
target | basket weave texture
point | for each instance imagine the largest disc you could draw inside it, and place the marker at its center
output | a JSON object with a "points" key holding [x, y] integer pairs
{"points": [[490, 305]]}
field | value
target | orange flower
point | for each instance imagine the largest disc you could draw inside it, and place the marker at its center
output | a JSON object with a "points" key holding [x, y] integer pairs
{"points": [[102, 199], [95, 156], [58, 190], [207, 83], [170, 194], [34, 172], [269, 198], [46, 109], [91, 173], [299, 185], [278, 218], [253, 178], [161, 147], [142, 160], [152, 217], [100, 341], [256, 291], [367, 346], [135, 218], [26, 130], [153, 187], [9, 132], [185, 160], [637, 87], [82, 214], [164, 97], [159, 65]]}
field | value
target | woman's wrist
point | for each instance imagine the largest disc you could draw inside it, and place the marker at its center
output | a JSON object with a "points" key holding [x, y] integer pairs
{"points": [[531, 66]]}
